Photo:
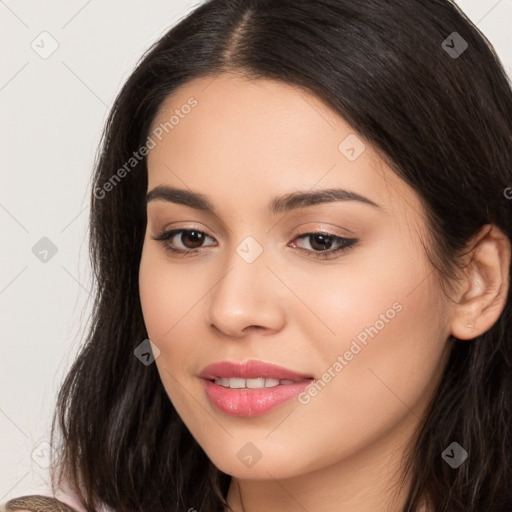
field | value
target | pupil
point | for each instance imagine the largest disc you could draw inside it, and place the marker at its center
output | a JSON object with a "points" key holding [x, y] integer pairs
{"points": [[325, 240], [196, 237]]}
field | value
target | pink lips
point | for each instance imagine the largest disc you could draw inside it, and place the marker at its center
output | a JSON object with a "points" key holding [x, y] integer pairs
{"points": [[251, 402], [250, 370]]}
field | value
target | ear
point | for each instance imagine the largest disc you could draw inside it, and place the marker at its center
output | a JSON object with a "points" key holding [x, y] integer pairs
{"points": [[482, 292]]}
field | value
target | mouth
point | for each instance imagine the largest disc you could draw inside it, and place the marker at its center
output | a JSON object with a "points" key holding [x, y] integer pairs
{"points": [[255, 383], [243, 401], [251, 388], [251, 374]]}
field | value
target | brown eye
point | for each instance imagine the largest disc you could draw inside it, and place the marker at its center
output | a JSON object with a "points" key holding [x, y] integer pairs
{"points": [[192, 239], [321, 244], [182, 240]]}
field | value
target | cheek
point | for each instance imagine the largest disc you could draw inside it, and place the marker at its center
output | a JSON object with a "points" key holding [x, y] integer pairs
{"points": [[387, 324], [388, 379], [387, 354], [364, 293], [167, 294]]}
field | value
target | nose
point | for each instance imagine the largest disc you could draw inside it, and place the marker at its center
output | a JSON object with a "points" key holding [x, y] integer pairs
{"points": [[248, 297]]}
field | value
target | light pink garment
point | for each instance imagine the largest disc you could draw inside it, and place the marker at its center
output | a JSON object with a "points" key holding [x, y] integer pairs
{"points": [[70, 500], [65, 495], [68, 497]]}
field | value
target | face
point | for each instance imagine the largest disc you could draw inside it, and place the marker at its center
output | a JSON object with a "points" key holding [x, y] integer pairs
{"points": [[340, 291]]}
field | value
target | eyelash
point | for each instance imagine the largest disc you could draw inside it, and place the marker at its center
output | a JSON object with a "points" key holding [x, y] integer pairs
{"points": [[345, 243]]}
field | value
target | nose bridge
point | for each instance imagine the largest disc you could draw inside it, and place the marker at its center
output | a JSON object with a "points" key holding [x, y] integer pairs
{"points": [[246, 294]]}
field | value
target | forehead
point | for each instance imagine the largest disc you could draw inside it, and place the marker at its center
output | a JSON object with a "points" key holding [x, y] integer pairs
{"points": [[261, 118], [256, 136]]}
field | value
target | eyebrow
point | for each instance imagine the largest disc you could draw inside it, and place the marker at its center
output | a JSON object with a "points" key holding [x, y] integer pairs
{"points": [[284, 203]]}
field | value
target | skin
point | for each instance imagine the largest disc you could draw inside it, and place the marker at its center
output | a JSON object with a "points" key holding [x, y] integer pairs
{"points": [[244, 143]]}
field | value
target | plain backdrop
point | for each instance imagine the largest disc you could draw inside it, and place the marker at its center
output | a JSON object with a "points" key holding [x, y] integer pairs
{"points": [[62, 64]]}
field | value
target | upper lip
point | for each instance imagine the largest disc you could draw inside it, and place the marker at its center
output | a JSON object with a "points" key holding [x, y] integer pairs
{"points": [[250, 370]]}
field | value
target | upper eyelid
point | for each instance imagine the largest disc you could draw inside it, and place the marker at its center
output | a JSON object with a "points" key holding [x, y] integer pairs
{"points": [[226, 229], [345, 232], [326, 231]]}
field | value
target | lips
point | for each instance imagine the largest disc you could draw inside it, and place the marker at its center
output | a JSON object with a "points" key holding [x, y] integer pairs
{"points": [[250, 370], [251, 400]]}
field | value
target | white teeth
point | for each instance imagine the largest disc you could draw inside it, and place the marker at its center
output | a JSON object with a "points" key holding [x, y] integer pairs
{"points": [[260, 383], [238, 383]]}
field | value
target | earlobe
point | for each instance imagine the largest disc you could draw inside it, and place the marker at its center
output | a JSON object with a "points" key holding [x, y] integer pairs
{"points": [[483, 290]]}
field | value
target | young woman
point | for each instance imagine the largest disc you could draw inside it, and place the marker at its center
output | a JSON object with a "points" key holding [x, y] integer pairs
{"points": [[300, 230]]}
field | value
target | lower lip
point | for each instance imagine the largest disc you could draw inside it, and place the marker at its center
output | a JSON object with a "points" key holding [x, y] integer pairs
{"points": [[252, 402]]}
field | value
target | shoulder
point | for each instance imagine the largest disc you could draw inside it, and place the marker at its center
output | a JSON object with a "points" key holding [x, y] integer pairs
{"points": [[37, 503]]}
